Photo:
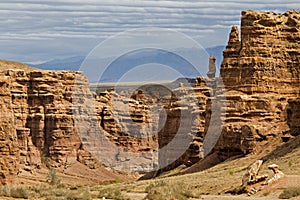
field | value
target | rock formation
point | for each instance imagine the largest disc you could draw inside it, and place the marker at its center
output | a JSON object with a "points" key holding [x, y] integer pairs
{"points": [[251, 175], [251, 182], [130, 127], [260, 73], [212, 67], [257, 97], [278, 174], [266, 56], [37, 120], [8, 141], [127, 120], [184, 125]]}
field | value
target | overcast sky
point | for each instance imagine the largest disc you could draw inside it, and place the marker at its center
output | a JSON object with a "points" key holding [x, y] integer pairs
{"points": [[35, 30]]}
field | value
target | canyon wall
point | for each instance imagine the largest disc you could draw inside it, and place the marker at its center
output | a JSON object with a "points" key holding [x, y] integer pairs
{"points": [[156, 125], [37, 121], [260, 73], [52, 118], [9, 151]]}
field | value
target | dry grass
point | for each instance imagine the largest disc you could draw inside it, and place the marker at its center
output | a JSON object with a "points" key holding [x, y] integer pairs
{"points": [[45, 191], [216, 180], [14, 192], [164, 190], [290, 192], [5, 65]]}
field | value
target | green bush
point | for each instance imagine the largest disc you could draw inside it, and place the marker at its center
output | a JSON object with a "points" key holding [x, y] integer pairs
{"points": [[266, 193], [15, 192], [290, 163], [5, 191], [290, 192], [52, 178], [45, 159], [19, 192]]}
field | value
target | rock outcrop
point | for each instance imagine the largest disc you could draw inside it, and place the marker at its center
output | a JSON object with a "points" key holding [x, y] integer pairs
{"points": [[180, 139], [265, 58], [128, 121], [252, 182], [251, 175], [37, 122], [278, 174], [130, 128], [212, 67], [260, 73]]}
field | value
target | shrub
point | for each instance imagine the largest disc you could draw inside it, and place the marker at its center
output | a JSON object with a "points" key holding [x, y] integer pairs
{"points": [[52, 178], [266, 193], [5, 191], [79, 195], [290, 192], [15, 192], [19, 192], [290, 163], [109, 193], [161, 191], [155, 185], [45, 159]]}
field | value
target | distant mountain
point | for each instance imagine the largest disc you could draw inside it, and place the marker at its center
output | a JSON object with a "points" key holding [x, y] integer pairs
{"points": [[150, 64], [125, 63], [70, 63]]}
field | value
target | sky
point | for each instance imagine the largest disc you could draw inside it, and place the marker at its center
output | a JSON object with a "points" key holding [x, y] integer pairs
{"points": [[36, 31]]}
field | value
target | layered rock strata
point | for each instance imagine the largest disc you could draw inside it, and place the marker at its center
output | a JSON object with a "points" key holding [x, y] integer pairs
{"points": [[260, 72], [53, 117], [187, 119], [265, 58], [9, 153], [127, 121], [37, 120]]}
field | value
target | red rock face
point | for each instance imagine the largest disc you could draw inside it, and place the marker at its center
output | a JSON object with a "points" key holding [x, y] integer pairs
{"points": [[127, 121], [293, 117], [9, 153], [37, 121], [260, 72], [265, 58]]}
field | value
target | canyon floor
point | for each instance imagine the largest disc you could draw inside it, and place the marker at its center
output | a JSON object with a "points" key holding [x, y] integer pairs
{"points": [[213, 183]]}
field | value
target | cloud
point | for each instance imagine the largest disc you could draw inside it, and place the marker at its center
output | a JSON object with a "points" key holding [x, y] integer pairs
{"points": [[28, 24]]}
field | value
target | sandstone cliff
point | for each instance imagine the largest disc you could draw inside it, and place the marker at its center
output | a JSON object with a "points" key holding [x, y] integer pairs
{"points": [[260, 72], [9, 149], [37, 120], [55, 120]]}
